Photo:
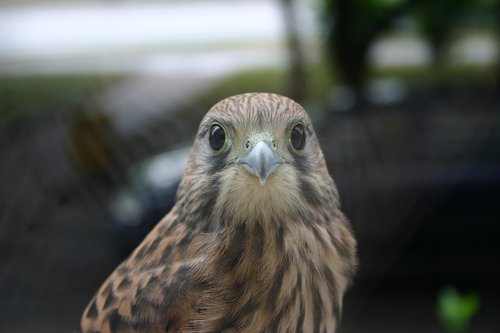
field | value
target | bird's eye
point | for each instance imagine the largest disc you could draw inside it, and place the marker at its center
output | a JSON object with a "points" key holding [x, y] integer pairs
{"points": [[298, 137], [217, 136]]}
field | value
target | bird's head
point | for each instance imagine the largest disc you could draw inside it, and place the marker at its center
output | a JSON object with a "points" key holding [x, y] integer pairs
{"points": [[256, 156]]}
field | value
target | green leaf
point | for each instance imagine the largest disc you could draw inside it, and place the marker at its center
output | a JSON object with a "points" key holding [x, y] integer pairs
{"points": [[455, 311]]}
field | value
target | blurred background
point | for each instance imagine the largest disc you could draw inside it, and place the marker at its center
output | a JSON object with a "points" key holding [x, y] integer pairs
{"points": [[100, 101]]}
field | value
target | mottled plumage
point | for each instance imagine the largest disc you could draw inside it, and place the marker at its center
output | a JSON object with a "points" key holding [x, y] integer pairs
{"points": [[256, 241]]}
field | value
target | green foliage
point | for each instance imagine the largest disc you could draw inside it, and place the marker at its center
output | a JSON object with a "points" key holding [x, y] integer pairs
{"points": [[389, 2], [469, 13], [455, 310], [352, 26], [437, 20]]}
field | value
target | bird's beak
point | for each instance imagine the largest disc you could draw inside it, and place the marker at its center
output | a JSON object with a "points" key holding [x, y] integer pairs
{"points": [[261, 160]]}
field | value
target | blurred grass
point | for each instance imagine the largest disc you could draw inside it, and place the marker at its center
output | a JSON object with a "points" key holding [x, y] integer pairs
{"points": [[319, 81], [432, 76], [27, 97]]}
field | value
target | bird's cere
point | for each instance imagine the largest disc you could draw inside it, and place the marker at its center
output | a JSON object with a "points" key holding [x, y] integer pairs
{"points": [[261, 161]]}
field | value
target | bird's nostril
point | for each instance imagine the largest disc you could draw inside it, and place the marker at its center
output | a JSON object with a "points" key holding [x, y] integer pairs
{"points": [[247, 144], [274, 144]]}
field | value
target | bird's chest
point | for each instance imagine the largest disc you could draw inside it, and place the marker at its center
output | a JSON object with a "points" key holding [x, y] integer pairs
{"points": [[303, 303], [281, 280], [294, 290]]}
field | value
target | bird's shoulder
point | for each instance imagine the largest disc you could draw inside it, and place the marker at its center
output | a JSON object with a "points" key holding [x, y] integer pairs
{"points": [[162, 287]]}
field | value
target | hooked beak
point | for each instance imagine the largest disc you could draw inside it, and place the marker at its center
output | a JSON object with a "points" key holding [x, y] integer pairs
{"points": [[260, 161]]}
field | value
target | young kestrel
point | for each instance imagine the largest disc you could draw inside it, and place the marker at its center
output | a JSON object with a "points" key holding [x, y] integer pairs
{"points": [[256, 241]]}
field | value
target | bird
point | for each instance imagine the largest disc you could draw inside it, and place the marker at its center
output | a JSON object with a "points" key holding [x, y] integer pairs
{"points": [[256, 241]]}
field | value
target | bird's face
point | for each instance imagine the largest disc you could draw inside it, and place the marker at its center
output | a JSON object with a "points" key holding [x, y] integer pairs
{"points": [[261, 152]]}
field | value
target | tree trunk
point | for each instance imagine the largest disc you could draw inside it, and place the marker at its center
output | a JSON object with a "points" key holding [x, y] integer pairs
{"points": [[297, 82], [348, 50], [497, 9]]}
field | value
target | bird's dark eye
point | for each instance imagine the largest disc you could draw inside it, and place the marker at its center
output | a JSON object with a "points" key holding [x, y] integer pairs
{"points": [[298, 137], [217, 137]]}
